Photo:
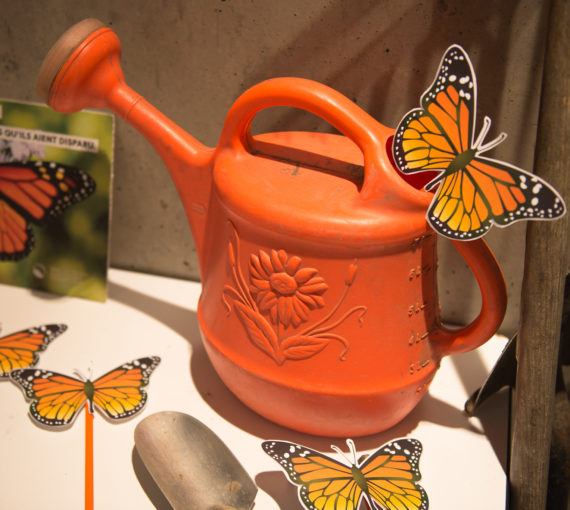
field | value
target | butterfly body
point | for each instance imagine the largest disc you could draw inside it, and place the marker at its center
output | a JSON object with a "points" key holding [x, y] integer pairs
{"points": [[57, 398], [359, 478], [386, 479], [461, 161], [89, 390], [32, 193], [20, 350], [474, 191]]}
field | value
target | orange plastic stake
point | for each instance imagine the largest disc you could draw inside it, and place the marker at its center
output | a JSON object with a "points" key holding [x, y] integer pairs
{"points": [[89, 492]]}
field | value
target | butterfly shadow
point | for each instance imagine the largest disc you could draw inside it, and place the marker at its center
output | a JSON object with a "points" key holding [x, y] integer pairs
{"points": [[281, 491]]}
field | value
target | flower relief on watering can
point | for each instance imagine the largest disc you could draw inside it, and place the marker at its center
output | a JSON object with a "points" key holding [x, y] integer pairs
{"points": [[278, 296]]}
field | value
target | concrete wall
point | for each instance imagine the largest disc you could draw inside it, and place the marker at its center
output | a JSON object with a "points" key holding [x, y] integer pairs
{"points": [[193, 58]]}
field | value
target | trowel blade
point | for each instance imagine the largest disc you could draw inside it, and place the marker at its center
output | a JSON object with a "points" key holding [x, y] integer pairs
{"points": [[191, 465]]}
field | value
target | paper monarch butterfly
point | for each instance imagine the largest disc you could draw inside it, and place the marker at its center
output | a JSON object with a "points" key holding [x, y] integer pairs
{"points": [[33, 192], [56, 398], [474, 191], [386, 479], [20, 350]]}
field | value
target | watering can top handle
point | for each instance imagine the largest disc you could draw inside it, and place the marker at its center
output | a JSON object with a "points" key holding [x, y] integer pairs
{"points": [[326, 103]]}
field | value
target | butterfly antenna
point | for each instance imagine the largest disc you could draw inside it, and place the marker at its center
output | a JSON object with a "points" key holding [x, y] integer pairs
{"points": [[483, 133], [352, 448], [431, 184], [492, 144], [338, 450], [79, 374]]}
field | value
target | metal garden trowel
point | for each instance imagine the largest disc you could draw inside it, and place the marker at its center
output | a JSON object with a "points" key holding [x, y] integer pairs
{"points": [[192, 466]]}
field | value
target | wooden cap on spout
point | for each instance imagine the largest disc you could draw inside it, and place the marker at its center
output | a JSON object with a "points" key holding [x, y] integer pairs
{"points": [[57, 56]]}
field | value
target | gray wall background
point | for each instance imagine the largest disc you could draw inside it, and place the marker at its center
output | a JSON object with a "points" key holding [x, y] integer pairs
{"points": [[193, 58]]}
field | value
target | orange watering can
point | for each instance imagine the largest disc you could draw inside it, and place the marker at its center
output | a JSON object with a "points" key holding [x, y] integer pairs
{"points": [[319, 307]]}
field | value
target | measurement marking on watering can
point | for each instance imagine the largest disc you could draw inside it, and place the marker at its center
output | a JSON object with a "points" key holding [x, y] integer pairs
{"points": [[416, 309], [418, 271], [425, 385], [416, 337], [418, 366], [198, 208], [293, 171], [416, 243]]}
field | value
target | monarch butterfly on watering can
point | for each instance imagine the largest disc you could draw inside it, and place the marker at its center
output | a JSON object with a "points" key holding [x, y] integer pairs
{"points": [[474, 191]]}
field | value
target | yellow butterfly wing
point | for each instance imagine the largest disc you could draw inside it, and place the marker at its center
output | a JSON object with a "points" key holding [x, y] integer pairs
{"points": [[119, 393], [487, 192], [20, 350], [391, 475], [421, 145], [324, 483], [475, 192], [56, 398], [431, 137]]}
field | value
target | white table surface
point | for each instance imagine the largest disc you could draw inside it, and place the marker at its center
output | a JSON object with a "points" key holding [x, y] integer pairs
{"points": [[463, 463]]}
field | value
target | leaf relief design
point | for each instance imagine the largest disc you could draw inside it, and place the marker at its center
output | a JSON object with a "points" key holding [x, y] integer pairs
{"points": [[281, 294]]}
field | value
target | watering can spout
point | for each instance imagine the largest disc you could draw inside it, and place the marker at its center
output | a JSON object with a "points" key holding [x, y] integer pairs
{"points": [[82, 70]]}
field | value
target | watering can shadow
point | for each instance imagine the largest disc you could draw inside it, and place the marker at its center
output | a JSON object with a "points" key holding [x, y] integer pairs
{"points": [[319, 307]]}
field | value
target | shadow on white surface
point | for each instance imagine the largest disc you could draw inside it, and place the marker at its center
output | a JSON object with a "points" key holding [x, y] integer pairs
{"points": [[470, 368], [148, 484], [184, 322], [277, 486], [472, 373]]}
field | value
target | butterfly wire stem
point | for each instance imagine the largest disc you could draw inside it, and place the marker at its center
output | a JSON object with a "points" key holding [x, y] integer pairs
{"points": [[89, 488]]}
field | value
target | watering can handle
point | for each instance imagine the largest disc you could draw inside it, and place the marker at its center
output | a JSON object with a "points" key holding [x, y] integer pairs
{"points": [[326, 103], [487, 272]]}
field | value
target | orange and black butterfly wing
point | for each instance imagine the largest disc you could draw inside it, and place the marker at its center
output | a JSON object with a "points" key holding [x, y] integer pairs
{"points": [[31, 193], [119, 393], [16, 239], [20, 350], [420, 145], [56, 398], [430, 137], [392, 473], [474, 192], [487, 192], [323, 482], [451, 100]]}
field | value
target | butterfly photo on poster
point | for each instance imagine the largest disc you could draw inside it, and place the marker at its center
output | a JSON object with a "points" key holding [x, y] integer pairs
{"points": [[474, 191], [32, 193]]}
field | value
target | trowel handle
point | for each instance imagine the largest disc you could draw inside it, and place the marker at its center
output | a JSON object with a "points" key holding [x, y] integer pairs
{"points": [[326, 103], [491, 283]]}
